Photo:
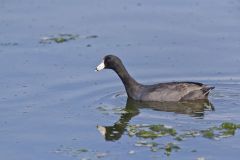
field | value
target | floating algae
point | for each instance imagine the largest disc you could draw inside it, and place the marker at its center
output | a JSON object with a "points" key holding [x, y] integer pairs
{"points": [[147, 134], [171, 147], [146, 131], [150, 131], [209, 133], [154, 147], [163, 129], [81, 153], [60, 38], [226, 129]]}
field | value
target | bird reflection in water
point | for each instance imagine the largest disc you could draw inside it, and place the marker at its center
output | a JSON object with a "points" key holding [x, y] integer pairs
{"points": [[193, 108]]}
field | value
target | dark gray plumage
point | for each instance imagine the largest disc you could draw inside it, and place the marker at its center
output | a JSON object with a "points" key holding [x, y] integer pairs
{"points": [[172, 91]]}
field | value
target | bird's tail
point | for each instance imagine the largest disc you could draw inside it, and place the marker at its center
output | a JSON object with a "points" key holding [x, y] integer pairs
{"points": [[206, 90]]}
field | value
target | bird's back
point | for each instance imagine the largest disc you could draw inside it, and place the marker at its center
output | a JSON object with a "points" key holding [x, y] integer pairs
{"points": [[175, 91]]}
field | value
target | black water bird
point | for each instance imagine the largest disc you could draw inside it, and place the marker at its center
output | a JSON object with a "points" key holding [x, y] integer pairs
{"points": [[171, 91]]}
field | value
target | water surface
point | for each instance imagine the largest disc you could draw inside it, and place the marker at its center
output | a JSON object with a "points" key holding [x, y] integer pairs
{"points": [[52, 100]]}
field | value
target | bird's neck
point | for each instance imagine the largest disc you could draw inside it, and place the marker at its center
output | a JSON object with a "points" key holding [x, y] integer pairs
{"points": [[131, 85]]}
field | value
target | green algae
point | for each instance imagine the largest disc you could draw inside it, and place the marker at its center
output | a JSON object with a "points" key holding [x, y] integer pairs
{"points": [[147, 134], [178, 138], [82, 153], [171, 147], [224, 130], [163, 130], [150, 131], [155, 147], [109, 110], [146, 144], [156, 128], [230, 126], [209, 133], [146, 131], [61, 38]]}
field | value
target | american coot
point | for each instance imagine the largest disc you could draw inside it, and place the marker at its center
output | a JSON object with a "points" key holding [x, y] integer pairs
{"points": [[171, 91]]}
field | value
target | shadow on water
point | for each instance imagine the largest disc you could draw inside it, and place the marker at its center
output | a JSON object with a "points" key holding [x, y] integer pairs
{"points": [[191, 108]]}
